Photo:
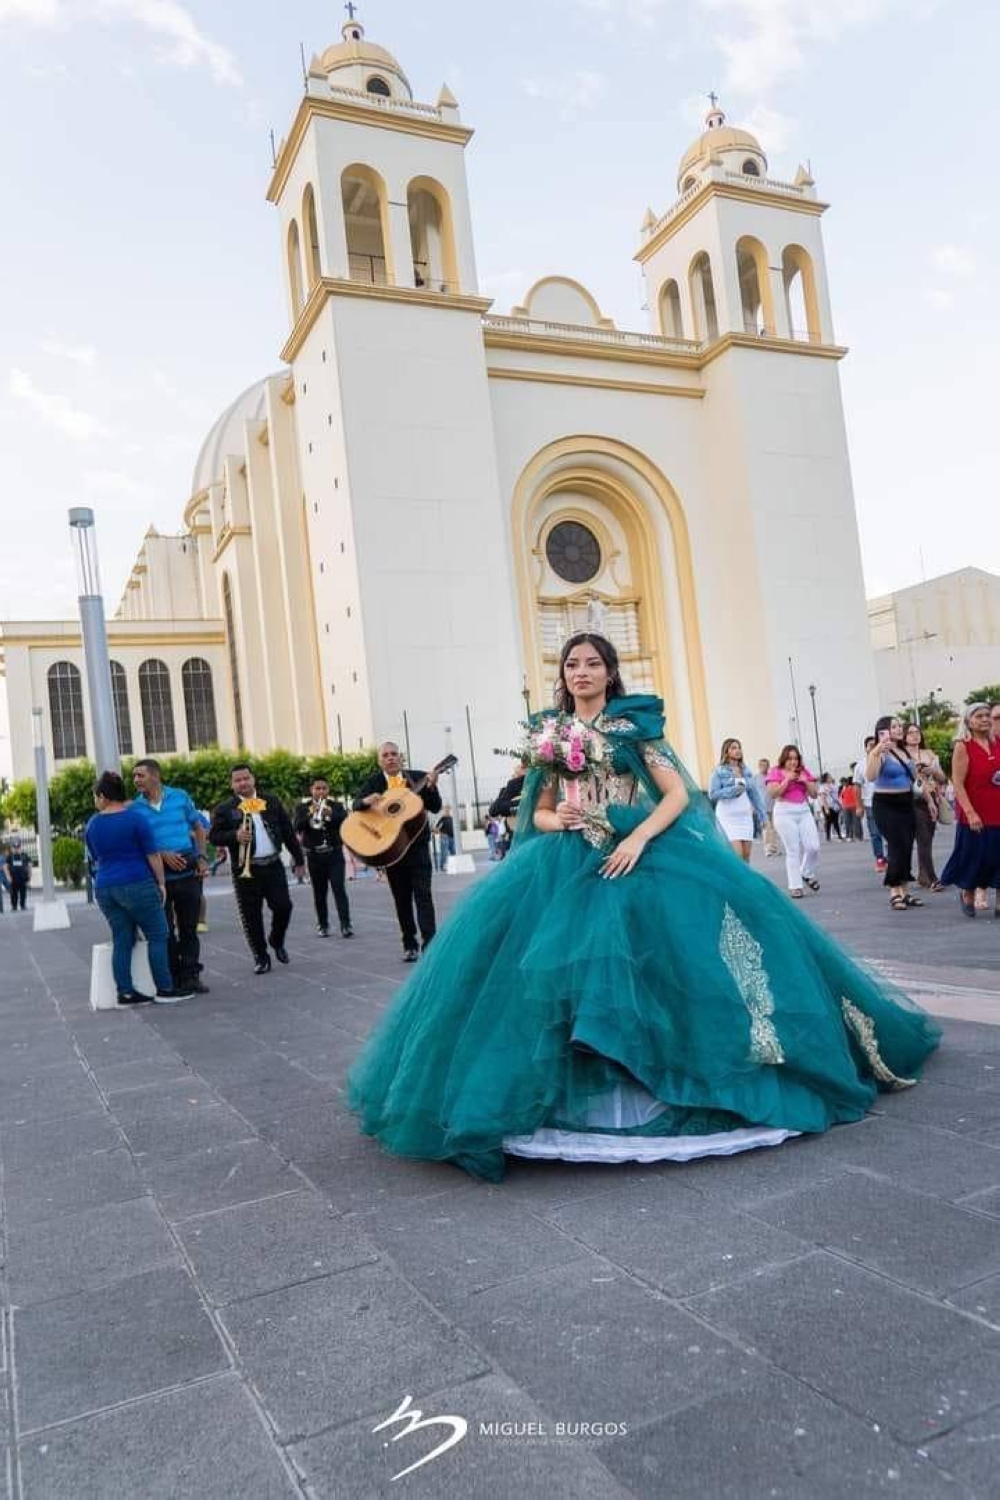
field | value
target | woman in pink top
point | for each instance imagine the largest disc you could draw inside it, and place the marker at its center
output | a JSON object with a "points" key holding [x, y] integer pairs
{"points": [[790, 784]]}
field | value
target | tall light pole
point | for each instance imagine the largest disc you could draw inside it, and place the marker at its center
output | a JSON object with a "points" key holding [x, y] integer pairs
{"points": [[107, 754], [50, 913], [819, 751]]}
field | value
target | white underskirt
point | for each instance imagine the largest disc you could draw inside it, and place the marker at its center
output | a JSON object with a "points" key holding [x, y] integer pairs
{"points": [[631, 1105]]}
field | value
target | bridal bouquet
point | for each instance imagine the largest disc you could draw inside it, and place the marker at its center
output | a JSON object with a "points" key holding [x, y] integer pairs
{"points": [[564, 745]]}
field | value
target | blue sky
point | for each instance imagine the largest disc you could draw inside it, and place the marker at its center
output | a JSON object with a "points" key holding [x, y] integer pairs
{"points": [[140, 279]]}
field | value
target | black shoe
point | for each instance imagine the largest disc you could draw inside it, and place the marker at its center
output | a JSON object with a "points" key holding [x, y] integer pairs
{"points": [[410, 955], [172, 997], [134, 997], [262, 966], [323, 931], [196, 987], [281, 954], [346, 930]]}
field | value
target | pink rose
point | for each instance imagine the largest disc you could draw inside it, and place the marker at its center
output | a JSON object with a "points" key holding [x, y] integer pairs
{"points": [[575, 760]]}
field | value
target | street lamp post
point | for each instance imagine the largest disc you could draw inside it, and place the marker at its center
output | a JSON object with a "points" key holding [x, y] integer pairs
{"points": [[107, 755], [819, 751], [50, 913]]}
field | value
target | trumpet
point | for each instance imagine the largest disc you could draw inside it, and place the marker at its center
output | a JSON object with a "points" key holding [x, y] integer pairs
{"points": [[248, 807], [317, 812]]}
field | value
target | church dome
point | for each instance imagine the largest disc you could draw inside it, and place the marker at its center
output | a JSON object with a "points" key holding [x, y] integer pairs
{"points": [[357, 63], [741, 151], [226, 437]]}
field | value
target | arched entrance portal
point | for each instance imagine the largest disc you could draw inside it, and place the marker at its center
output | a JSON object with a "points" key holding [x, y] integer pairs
{"points": [[600, 542]]}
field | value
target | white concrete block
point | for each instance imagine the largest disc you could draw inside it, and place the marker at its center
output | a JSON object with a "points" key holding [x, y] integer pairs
{"points": [[50, 916], [103, 990], [460, 864]]}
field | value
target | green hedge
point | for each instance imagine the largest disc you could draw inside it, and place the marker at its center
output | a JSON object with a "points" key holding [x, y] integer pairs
{"points": [[205, 775], [68, 860]]}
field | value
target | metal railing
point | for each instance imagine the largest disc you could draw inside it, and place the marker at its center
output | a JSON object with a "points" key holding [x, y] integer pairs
{"points": [[372, 270]]}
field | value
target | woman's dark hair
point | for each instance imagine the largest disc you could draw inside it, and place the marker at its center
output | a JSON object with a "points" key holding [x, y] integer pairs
{"points": [[920, 743], [786, 751], [609, 656], [110, 786], [724, 752], [884, 723]]}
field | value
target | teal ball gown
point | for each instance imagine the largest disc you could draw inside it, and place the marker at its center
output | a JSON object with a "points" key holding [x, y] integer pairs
{"points": [[683, 1010]]}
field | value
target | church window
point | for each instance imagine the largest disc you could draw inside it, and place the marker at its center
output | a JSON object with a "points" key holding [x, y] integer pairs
{"points": [[157, 707], [69, 741], [376, 85], [294, 270], [751, 169], [573, 551], [432, 236], [123, 717], [706, 318], [799, 281], [366, 222], [234, 668], [310, 228], [755, 287], [671, 322], [199, 704]]}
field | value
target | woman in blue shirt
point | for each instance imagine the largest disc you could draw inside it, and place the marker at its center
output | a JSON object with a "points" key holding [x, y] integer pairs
{"points": [[890, 767], [129, 889], [736, 798]]}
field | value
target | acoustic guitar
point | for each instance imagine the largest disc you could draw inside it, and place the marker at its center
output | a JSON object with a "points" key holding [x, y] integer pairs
{"points": [[381, 835]]}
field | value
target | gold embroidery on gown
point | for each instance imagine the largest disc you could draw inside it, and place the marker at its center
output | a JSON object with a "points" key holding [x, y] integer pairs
{"points": [[864, 1029], [742, 956]]}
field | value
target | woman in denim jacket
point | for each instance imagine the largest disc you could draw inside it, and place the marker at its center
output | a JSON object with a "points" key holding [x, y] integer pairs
{"points": [[732, 791]]}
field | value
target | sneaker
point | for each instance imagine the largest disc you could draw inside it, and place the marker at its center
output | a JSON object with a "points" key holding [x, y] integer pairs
{"points": [[323, 931], [172, 997], [202, 927], [135, 997], [197, 988], [411, 955], [881, 865], [347, 930]]}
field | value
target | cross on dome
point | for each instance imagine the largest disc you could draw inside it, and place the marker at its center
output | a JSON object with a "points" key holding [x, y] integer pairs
{"points": [[716, 117]]}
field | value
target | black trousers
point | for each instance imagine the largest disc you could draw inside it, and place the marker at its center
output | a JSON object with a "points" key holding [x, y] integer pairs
{"points": [[410, 883], [19, 895], [926, 827], [326, 872], [893, 812], [182, 909], [267, 883]]}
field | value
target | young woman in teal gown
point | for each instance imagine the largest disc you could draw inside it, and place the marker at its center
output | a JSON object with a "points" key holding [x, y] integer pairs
{"points": [[623, 987]]}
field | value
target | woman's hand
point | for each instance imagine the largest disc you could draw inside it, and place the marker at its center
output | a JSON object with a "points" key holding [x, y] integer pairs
{"points": [[570, 817], [975, 822], [624, 858]]}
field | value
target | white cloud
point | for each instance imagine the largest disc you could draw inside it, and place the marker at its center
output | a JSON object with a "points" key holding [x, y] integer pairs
{"points": [[765, 41], [774, 130], [185, 45], [954, 260], [636, 12], [110, 483], [54, 409], [77, 354], [571, 94], [940, 298]]}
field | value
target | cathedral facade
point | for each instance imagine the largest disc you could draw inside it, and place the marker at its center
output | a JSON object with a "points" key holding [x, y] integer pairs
{"points": [[392, 535]]}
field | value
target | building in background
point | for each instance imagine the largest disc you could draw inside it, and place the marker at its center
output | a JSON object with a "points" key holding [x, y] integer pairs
{"points": [[395, 532], [941, 636]]}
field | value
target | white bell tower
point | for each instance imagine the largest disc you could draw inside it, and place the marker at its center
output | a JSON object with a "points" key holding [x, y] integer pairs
{"points": [[401, 500]]}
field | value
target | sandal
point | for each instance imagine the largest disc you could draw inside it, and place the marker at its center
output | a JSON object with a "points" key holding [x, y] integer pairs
{"points": [[937, 888], [795, 895], [898, 903], [811, 882], [968, 907], [913, 901]]}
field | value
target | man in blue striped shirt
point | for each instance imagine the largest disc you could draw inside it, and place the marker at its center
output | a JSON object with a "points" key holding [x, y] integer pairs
{"points": [[179, 834]]}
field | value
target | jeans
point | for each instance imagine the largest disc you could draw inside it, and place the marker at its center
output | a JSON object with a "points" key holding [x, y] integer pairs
{"points": [[127, 907], [874, 833]]}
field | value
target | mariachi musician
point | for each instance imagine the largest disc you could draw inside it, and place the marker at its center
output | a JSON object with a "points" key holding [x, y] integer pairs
{"points": [[317, 822], [409, 877], [254, 828]]}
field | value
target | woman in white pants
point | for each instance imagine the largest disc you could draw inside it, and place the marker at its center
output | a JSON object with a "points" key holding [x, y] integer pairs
{"points": [[791, 784]]}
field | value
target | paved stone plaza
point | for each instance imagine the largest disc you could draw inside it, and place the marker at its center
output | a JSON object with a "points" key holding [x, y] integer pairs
{"points": [[215, 1287]]}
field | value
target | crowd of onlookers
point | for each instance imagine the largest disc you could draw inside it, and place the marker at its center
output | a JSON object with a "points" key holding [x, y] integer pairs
{"points": [[897, 795]]}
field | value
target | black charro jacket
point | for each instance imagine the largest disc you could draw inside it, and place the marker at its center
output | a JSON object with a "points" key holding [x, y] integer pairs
{"points": [[227, 820]]}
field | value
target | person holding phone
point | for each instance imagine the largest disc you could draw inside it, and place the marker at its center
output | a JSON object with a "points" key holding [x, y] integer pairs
{"points": [[790, 785], [892, 770]]}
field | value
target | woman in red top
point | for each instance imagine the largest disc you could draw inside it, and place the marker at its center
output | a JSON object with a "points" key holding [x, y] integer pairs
{"points": [[975, 774]]}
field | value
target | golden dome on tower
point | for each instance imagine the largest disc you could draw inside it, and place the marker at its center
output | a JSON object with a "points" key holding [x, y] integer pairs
{"points": [[740, 150], [361, 63]]}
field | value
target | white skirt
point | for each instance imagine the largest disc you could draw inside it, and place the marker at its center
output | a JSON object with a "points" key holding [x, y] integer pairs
{"points": [[735, 817]]}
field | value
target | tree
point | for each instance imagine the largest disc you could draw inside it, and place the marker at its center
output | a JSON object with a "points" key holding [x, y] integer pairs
{"points": [[988, 694], [937, 713], [71, 796], [20, 806], [68, 858], [942, 742]]}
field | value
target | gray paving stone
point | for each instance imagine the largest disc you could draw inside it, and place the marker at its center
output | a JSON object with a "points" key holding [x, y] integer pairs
{"points": [[963, 1111], [932, 1161], [165, 1135], [740, 1180], [258, 1247], [62, 1090], [304, 1132], [982, 1300], [176, 1097], [85, 1182], [682, 1247], [589, 1344], [485, 1465], [929, 1245], [80, 1354], [127, 1039], [970, 1453], [87, 1251], [987, 1202], [217, 1177], [204, 1442], [262, 1100], [357, 1175], [122, 1078], [544, 1186], [771, 1439], [462, 1242], [330, 1350], [884, 1352], [964, 1070], [44, 1143]]}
